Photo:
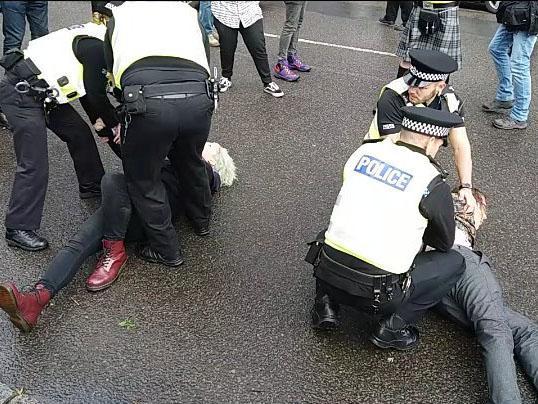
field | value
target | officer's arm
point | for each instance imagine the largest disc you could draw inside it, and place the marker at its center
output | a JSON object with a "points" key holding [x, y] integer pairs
{"points": [[438, 208], [389, 115], [109, 55]]}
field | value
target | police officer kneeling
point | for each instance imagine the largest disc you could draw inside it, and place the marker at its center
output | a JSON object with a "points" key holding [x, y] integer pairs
{"points": [[393, 199], [155, 51]]}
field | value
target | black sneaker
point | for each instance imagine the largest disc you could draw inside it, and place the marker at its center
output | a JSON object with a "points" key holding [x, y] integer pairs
{"points": [[25, 239], [150, 255], [274, 90], [386, 22]]}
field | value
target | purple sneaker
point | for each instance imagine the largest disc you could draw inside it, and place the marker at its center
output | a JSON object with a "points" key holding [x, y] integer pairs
{"points": [[282, 71], [295, 64]]}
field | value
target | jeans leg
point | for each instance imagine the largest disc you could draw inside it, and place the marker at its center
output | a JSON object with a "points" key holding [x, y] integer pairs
{"points": [[293, 13], [67, 262], [525, 333], [37, 13], [295, 38], [522, 48], [434, 275], [499, 49], [14, 23], [228, 45], [205, 16], [116, 206], [255, 42], [69, 126]]}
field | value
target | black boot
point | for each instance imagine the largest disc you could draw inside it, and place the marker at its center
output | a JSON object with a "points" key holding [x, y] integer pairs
{"points": [[325, 314], [26, 239], [150, 255], [394, 332]]}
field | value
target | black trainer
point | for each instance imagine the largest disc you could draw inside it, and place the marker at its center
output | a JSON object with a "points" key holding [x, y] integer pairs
{"points": [[26, 239], [325, 314], [394, 332], [150, 255]]}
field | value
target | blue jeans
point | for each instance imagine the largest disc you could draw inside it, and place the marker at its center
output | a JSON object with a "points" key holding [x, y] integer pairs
{"points": [[476, 302], [15, 14], [511, 53], [206, 17]]}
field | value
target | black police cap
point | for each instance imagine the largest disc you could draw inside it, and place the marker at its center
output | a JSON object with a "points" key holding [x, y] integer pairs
{"points": [[429, 121], [429, 66]]}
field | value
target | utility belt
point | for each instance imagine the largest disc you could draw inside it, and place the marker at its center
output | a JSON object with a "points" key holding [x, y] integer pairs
{"points": [[379, 285], [135, 96]]}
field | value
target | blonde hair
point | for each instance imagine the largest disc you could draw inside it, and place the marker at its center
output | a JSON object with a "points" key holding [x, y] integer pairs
{"points": [[221, 161]]}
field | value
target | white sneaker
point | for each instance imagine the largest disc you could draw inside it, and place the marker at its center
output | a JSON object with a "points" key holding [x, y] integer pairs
{"points": [[214, 42], [224, 84], [216, 35], [274, 90]]}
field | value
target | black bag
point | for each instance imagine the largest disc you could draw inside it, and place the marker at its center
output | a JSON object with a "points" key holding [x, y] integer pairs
{"points": [[134, 101], [515, 15], [429, 22]]}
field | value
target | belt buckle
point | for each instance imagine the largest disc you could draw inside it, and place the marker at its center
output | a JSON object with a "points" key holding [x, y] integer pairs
{"points": [[427, 5]]}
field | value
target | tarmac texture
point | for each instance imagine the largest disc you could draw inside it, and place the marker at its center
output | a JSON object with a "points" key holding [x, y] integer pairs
{"points": [[232, 324]]}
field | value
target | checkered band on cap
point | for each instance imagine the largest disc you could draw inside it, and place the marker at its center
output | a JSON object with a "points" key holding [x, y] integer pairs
{"points": [[425, 128], [427, 76]]}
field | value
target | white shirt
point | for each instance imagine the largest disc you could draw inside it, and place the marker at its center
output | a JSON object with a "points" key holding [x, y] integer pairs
{"points": [[462, 239], [232, 13]]}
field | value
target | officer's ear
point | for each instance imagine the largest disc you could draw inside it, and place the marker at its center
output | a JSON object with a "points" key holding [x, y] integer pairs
{"points": [[441, 86]]}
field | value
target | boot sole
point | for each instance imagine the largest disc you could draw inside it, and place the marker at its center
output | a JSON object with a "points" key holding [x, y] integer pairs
{"points": [[154, 261], [106, 286], [8, 303], [385, 345], [13, 243]]}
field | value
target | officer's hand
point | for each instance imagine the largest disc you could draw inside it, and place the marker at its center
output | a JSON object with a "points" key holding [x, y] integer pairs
{"points": [[466, 195], [117, 131], [99, 125]]}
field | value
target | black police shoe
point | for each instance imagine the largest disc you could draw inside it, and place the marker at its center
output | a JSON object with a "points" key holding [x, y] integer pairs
{"points": [[150, 255], [200, 229], [26, 239], [394, 332], [325, 314]]}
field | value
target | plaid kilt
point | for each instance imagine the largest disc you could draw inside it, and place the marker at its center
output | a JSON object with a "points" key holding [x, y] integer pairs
{"points": [[446, 40]]}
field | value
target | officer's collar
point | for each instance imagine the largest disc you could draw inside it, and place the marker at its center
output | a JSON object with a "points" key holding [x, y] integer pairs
{"points": [[420, 150]]}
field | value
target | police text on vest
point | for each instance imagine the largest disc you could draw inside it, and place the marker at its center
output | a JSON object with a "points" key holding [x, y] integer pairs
{"points": [[383, 172]]}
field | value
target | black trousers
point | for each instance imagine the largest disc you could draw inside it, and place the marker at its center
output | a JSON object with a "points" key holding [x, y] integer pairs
{"points": [[29, 125], [115, 216], [255, 43], [434, 275], [391, 12], [177, 128]]}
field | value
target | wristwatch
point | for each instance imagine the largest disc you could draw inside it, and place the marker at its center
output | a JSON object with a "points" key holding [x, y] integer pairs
{"points": [[465, 185]]}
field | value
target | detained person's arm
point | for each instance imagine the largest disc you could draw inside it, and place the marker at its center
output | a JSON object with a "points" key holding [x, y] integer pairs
{"points": [[464, 164], [438, 208]]}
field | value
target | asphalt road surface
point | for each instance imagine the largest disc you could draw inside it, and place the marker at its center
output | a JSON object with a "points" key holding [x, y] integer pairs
{"points": [[232, 324]]}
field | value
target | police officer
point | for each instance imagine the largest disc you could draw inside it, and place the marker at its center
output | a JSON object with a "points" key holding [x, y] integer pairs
{"points": [[426, 85], [157, 56], [368, 258], [35, 94]]}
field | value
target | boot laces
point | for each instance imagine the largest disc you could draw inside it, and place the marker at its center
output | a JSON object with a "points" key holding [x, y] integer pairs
{"points": [[105, 259]]}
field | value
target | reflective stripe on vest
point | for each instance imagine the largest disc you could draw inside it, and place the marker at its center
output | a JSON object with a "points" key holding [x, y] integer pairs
{"points": [[400, 87], [53, 55], [376, 217], [156, 28]]}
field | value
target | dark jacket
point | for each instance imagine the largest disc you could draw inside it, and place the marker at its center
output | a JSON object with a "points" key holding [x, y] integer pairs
{"points": [[519, 16]]}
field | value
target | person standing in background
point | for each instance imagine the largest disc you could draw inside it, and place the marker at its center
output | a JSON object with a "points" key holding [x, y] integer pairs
{"points": [[391, 13], [206, 19], [287, 50], [14, 26]]}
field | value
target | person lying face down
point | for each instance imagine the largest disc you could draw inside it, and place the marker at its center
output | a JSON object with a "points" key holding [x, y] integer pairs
{"points": [[106, 230], [476, 303]]}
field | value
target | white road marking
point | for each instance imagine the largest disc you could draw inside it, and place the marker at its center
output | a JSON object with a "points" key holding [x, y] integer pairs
{"points": [[333, 45]]}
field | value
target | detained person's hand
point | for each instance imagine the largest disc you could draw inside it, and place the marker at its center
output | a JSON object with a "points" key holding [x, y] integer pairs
{"points": [[117, 133]]}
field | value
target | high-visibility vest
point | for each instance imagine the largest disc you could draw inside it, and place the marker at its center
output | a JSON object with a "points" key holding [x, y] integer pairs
{"points": [[54, 57], [376, 217], [155, 28], [400, 87]]}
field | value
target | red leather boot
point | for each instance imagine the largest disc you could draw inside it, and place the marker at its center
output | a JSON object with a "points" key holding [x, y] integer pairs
{"points": [[108, 267], [23, 308]]}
